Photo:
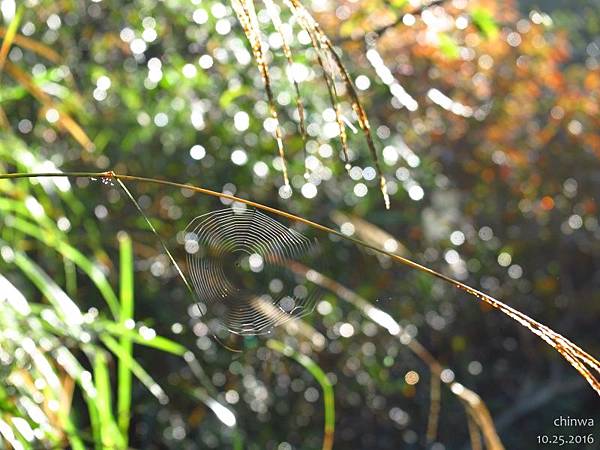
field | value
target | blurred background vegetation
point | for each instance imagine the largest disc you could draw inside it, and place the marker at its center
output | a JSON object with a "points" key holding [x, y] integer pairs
{"points": [[485, 116]]}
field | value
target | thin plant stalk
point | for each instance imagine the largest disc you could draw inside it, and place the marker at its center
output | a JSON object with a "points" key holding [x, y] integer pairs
{"points": [[473, 404], [64, 119], [321, 378], [126, 314], [324, 62], [582, 361], [302, 13], [9, 37], [246, 13], [276, 20], [37, 47]]}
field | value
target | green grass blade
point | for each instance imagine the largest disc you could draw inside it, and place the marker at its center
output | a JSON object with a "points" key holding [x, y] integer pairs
{"points": [[126, 343], [61, 302], [238, 440], [321, 377], [157, 342], [110, 434], [224, 414], [6, 432], [53, 240], [75, 441], [135, 367], [94, 422], [70, 277]]}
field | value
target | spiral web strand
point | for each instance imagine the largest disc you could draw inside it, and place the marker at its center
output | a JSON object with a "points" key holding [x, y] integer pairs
{"points": [[237, 262]]}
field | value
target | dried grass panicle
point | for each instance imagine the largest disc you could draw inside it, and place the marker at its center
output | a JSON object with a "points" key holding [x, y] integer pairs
{"points": [[328, 73], [246, 14], [276, 20], [332, 69], [359, 110]]}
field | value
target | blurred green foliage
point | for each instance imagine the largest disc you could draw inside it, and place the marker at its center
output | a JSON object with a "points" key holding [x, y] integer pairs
{"points": [[488, 133]]}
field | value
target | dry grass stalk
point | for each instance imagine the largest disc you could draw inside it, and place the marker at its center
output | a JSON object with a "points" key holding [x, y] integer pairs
{"points": [[324, 61], [330, 63], [582, 361], [64, 119], [9, 37], [301, 328], [474, 435], [472, 402], [304, 15], [370, 233], [578, 358], [4, 123], [435, 392], [276, 20], [29, 44], [481, 417], [247, 16]]}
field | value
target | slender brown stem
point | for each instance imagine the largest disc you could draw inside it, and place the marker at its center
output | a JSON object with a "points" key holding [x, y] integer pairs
{"points": [[249, 21], [470, 400], [582, 361]]}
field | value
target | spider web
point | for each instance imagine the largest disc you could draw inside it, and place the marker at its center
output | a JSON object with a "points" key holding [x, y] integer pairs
{"points": [[237, 261]]}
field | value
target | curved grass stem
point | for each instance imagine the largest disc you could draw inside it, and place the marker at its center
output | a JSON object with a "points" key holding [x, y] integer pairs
{"points": [[582, 361], [321, 377]]}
